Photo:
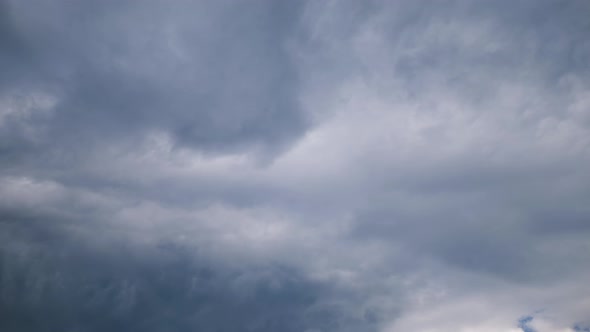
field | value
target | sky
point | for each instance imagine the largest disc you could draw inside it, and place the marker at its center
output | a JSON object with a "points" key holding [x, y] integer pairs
{"points": [[294, 166]]}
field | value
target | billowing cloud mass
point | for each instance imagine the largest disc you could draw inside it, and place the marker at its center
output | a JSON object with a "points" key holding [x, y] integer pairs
{"points": [[312, 166]]}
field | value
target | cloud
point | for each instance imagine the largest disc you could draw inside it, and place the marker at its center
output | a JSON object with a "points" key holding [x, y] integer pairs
{"points": [[53, 281], [523, 324], [213, 76], [334, 166]]}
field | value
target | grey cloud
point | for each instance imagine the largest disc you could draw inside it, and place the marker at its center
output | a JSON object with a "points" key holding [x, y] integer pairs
{"points": [[214, 76], [321, 166], [470, 207], [52, 278], [580, 328]]}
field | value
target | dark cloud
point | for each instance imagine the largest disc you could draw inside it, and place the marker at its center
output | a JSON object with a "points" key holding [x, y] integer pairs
{"points": [[63, 278], [580, 328], [294, 166], [213, 76]]}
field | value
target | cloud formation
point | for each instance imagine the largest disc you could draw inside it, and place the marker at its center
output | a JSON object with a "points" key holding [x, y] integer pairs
{"points": [[294, 166]]}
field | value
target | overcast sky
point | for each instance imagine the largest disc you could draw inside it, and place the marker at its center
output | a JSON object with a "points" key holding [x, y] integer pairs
{"points": [[294, 166]]}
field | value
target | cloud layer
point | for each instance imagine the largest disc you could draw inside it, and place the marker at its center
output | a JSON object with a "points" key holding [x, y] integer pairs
{"points": [[294, 166]]}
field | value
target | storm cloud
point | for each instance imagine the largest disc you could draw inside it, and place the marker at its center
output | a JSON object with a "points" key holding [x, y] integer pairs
{"points": [[294, 166]]}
